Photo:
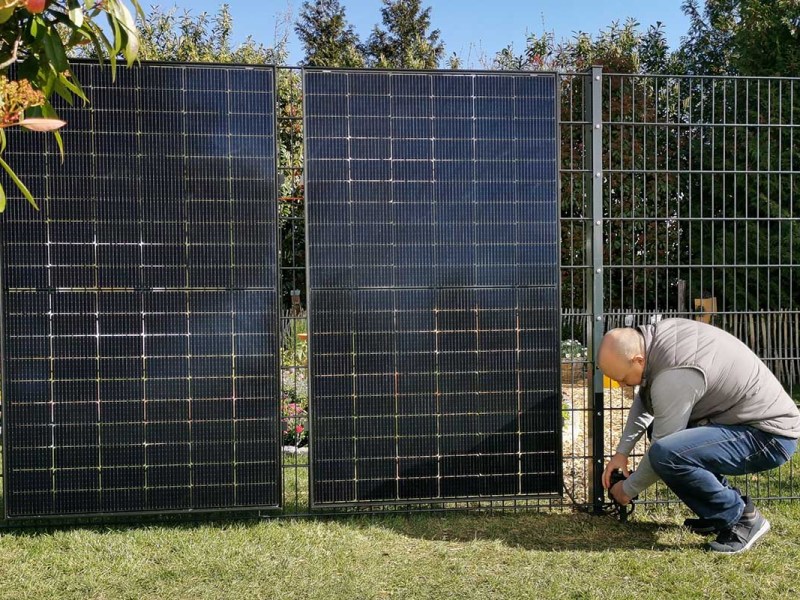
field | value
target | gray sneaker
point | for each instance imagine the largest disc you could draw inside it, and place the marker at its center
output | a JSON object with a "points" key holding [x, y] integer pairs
{"points": [[708, 526], [741, 536]]}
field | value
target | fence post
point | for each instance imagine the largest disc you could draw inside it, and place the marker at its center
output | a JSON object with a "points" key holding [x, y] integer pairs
{"points": [[593, 97]]}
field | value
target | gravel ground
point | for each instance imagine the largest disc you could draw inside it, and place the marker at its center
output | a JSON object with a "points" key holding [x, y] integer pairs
{"points": [[576, 441]]}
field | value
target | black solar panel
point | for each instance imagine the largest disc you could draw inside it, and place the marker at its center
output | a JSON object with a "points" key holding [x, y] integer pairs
{"points": [[433, 268], [139, 305]]}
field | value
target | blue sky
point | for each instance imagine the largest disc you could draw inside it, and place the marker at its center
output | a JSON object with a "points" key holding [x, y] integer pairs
{"points": [[470, 27]]}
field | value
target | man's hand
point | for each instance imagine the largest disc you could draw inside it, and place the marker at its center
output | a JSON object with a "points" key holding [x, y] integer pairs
{"points": [[619, 494], [618, 461]]}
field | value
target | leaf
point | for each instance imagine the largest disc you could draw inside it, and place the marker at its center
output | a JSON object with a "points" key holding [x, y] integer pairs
{"points": [[18, 182], [2, 199], [5, 14], [42, 124], [139, 10], [54, 50], [104, 42], [61, 90], [50, 83], [75, 13], [98, 47], [75, 88], [114, 23], [131, 49], [60, 144], [47, 111]]}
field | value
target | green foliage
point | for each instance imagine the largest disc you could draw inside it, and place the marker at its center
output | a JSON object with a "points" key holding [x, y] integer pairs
{"points": [[751, 192], [203, 38], [742, 37], [294, 424], [767, 39], [294, 387], [405, 41], [37, 43], [621, 49], [294, 352], [618, 49], [655, 55], [655, 217], [795, 394], [454, 62], [291, 188], [328, 39]]}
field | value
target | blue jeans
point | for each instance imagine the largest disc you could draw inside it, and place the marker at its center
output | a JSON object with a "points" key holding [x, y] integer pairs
{"points": [[693, 463]]}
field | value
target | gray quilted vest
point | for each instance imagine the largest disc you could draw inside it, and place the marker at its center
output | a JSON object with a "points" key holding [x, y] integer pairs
{"points": [[740, 389]]}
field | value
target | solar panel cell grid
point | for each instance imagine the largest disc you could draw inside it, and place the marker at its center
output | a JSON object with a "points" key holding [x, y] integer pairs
{"points": [[433, 266], [140, 302]]}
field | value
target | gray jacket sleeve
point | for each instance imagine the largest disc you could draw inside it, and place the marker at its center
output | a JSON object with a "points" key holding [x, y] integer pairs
{"points": [[673, 395], [638, 422]]}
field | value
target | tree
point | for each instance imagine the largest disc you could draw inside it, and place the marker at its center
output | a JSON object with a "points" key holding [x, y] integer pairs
{"points": [[405, 42], [635, 236], [618, 48], [744, 199], [328, 39], [742, 37], [204, 38], [751, 186], [767, 39], [35, 39]]}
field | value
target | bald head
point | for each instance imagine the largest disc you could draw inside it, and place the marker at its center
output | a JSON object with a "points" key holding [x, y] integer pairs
{"points": [[627, 342], [621, 356]]}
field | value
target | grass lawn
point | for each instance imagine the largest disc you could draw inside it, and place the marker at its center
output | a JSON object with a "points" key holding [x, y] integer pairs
{"points": [[430, 556]]}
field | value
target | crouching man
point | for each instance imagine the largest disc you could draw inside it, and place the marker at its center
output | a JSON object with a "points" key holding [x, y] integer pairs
{"points": [[716, 410]]}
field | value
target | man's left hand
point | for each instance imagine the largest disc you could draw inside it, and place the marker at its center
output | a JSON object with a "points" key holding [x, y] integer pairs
{"points": [[619, 494]]}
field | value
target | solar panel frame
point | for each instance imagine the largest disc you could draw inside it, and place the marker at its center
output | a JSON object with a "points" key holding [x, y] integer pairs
{"points": [[313, 313], [271, 326]]}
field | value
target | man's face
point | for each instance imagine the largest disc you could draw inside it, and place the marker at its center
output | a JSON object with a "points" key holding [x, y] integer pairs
{"points": [[626, 371]]}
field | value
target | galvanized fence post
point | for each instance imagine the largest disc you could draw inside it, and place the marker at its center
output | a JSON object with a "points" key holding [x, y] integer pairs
{"points": [[594, 155]]}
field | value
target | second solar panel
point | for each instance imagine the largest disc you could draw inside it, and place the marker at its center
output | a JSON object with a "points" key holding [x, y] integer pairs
{"points": [[433, 266]]}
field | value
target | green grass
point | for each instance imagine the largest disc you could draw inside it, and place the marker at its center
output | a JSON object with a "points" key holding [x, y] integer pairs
{"points": [[430, 556]]}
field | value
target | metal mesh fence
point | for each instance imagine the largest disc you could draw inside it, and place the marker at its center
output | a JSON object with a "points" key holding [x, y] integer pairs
{"points": [[700, 220], [678, 198]]}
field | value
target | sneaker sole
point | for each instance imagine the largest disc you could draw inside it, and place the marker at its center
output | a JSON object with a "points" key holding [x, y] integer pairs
{"points": [[700, 529], [752, 541], [703, 530]]}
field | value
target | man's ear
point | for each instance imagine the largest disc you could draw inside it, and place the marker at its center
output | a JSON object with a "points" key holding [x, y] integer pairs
{"points": [[639, 360]]}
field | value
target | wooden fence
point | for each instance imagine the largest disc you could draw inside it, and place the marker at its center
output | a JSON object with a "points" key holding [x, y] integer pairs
{"points": [[774, 336]]}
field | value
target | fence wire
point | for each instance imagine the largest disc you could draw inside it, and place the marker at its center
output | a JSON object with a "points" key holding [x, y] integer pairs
{"points": [[700, 220], [698, 177], [697, 180]]}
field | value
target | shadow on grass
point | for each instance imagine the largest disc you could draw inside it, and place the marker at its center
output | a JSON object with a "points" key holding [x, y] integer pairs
{"points": [[529, 531], [532, 531], [129, 523]]}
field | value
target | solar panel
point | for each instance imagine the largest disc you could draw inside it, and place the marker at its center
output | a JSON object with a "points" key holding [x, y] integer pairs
{"points": [[433, 235], [139, 304]]}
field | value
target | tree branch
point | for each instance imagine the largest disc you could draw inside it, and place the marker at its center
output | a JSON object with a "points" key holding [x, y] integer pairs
{"points": [[14, 53]]}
